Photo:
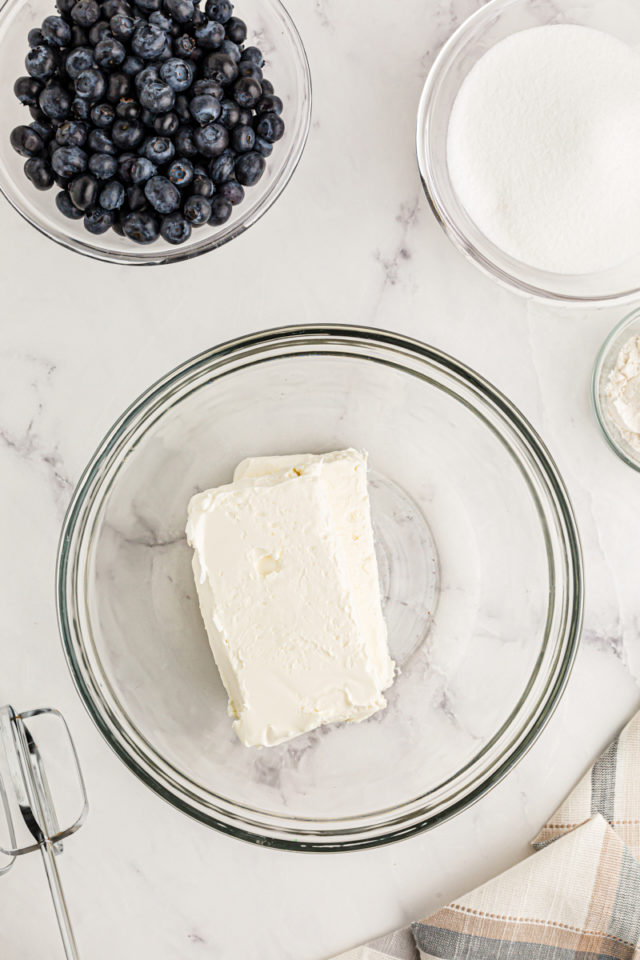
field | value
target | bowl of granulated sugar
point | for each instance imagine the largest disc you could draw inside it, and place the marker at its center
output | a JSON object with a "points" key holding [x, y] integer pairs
{"points": [[528, 142]]}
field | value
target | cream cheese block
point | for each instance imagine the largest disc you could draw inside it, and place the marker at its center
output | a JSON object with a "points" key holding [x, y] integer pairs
{"points": [[287, 581]]}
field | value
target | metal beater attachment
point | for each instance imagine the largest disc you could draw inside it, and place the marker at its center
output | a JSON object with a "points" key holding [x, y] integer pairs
{"points": [[27, 789]]}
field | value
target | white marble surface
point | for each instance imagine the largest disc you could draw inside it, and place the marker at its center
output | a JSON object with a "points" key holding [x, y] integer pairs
{"points": [[351, 240]]}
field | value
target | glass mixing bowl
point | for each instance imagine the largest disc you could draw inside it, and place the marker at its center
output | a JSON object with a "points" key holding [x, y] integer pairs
{"points": [[479, 562], [270, 27], [491, 23], [605, 362]]}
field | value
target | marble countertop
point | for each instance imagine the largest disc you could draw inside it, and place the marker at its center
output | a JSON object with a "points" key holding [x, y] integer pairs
{"points": [[352, 240]]}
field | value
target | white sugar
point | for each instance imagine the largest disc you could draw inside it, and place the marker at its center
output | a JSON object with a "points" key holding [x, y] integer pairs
{"points": [[544, 148]]}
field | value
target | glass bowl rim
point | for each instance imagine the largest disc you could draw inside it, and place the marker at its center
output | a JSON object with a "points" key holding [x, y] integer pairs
{"points": [[603, 354], [492, 267], [144, 256], [350, 837]]}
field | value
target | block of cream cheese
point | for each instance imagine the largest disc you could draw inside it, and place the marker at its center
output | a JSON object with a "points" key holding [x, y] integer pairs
{"points": [[287, 581]]}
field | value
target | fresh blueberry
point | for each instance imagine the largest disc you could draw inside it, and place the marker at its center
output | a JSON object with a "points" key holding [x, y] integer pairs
{"points": [[35, 37], [232, 191], [150, 72], [270, 127], [103, 166], [118, 87], [56, 31], [202, 186], [230, 114], [112, 196], [197, 210], [180, 10], [236, 30], [41, 62], [222, 167], [247, 92], [102, 114], [122, 26], [159, 149], [148, 41], [156, 96], [209, 87], [128, 109], [136, 199], [254, 55], [132, 66], [263, 147], [204, 108], [142, 169], [26, 141], [184, 47], [77, 60], [248, 69], [65, 7], [180, 172], [267, 87], [232, 50], [85, 12], [141, 226], [98, 220], [66, 207], [209, 35], [54, 101], [175, 229], [163, 195], [246, 118], [182, 108], [115, 8], [221, 210], [243, 139], [249, 168], [27, 90], [185, 144], [79, 37], [109, 53], [149, 6], [160, 20], [211, 139], [127, 134], [39, 173], [166, 124], [99, 142], [68, 162], [219, 10], [177, 73], [80, 109], [220, 67], [99, 31], [45, 130], [90, 84], [269, 104]]}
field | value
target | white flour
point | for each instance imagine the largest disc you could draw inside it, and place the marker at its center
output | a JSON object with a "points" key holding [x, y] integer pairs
{"points": [[544, 148], [623, 392]]}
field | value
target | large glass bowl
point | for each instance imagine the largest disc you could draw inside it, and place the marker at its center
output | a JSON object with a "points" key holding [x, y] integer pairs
{"points": [[479, 561], [491, 23], [270, 27]]}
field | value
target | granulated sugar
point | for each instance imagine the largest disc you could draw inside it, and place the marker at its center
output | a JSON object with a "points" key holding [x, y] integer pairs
{"points": [[544, 148]]}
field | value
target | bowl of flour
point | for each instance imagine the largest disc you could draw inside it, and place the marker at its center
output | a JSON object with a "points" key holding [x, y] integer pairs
{"points": [[616, 389], [528, 142]]}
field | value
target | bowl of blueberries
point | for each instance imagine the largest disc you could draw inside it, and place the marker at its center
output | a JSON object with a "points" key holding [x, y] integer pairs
{"points": [[149, 131]]}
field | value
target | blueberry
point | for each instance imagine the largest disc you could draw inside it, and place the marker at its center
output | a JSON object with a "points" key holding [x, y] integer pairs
{"points": [[249, 168], [221, 210], [180, 172], [54, 101], [136, 199], [77, 60], [165, 23], [116, 8], [175, 229], [80, 109], [35, 37], [210, 35], [270, 127], [45, 130], [103, 166], [149, 6], [141, 226], [159, 149], [39, 173], [204, 108], [254, 55], [182, 108], [211, 139], [90, 84], [248, 69], [199, 18], [40, 62], [112, 196], [102, 114], [267, 87], [222, 167], [202, 186], [166, 124], [247, 92], [263, 147], [27, 90], [231, 49], [127, 134], [230, 114], [128, 109], [56, 31], [65, 7], [197, 210], [243, 139], [180, 10], [232, 191], [66, 207], [109, 53], [236, 30], [99, 142], [79, 37], [85, 12], [157, 96], [148, 41], [163, 195], [269, 104], [99, 31], [150, 72], [132, 66], [177, 73], [122, 26], [118, 87], [26, 141], [209, 87], [185, 144], [220, 67], [83, 191], [219, 10], [245, 118], [142, 169], [184, 47], [98, 220], [68, 162]]}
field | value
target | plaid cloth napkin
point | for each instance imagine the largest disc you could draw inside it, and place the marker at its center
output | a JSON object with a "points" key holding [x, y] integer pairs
{"points": [[578, 898]]}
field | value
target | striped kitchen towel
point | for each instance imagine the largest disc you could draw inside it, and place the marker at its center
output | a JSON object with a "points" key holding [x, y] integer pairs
{"points": [[578, 898]]}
